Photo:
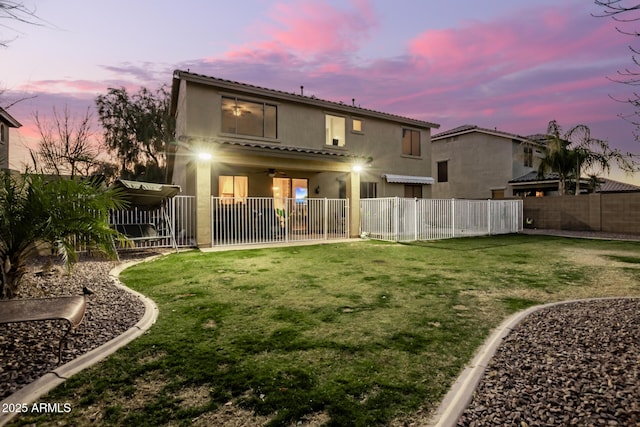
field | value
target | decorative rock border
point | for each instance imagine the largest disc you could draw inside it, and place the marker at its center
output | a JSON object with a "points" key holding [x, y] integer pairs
{"points": [[30, 393], [567, 363]]}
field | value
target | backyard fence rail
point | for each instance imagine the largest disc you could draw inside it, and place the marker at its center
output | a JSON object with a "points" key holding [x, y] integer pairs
{"points": [[403, 219], [254, 220], [264, 220]]}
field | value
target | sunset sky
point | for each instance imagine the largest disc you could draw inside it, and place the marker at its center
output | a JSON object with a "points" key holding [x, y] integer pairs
{"points": [[511, 65]]}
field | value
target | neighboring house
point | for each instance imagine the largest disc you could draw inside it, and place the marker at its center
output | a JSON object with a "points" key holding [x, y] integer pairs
{"points": [[6, 122], [470, 162], [532, 185], [275, 144], [606, 185]]}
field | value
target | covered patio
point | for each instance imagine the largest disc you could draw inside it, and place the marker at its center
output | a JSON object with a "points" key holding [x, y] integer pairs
{"points": [[250, 192]]}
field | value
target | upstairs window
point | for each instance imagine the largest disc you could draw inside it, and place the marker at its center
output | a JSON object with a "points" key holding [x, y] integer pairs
{"points": [[335, 131], [410, 142], [4, 133], [443, 171], [249, 118], [528, 156], [356, 125]]}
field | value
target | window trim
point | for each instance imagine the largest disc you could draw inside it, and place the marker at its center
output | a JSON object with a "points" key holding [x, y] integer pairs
{"points": [[361, 131], [411, 148], [413, 188], [343, 133], [528, 156], [262, 102], [446, 171], [236, 198]]}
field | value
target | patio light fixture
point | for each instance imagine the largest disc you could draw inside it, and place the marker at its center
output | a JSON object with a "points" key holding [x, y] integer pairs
{"points": [[357, 168], [202, 155]]}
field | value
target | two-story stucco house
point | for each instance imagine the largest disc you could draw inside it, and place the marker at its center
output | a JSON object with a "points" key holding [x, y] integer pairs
{"points": [[274, 144], [6, 122], [470, 162]]}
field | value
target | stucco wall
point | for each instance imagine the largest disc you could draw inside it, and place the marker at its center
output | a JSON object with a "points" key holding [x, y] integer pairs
{"points": [[301, 125], [477, 164]]}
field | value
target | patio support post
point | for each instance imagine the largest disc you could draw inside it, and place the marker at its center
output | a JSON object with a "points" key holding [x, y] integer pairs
{"points": [[203, 203], [353, 194]]}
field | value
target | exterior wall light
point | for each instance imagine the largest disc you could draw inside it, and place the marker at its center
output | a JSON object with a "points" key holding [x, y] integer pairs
{"points": [[204, 156], [357, 168]]}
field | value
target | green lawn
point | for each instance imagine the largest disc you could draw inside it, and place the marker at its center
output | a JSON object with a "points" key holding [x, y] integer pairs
{"points": [[362, 333]]}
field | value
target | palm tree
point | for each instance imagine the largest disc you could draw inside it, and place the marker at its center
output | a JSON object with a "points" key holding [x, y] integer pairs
{"points": [[575, 152], [36, 212], [558, 157]]}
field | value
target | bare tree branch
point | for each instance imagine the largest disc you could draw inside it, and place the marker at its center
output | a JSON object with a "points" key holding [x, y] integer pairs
{"points": [[17, 12], [65, 146]]}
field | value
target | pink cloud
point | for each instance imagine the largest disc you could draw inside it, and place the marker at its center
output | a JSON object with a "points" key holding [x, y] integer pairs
{"points": [[511, 43], [311, 29], [63, 86]]}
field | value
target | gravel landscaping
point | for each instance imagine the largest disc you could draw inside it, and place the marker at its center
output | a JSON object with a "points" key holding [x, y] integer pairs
{"points": [[571, 364], [29, 350]]}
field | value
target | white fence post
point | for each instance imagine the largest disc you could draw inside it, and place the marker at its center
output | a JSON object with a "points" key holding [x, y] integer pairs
{"points": [[415, 218], [453, 217], [396, 218], [489, 216], [325, 225]]}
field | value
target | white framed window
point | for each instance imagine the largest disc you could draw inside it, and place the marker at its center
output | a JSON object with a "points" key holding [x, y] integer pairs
{"points": [[235, 188], [356, 126], [335, 130]]}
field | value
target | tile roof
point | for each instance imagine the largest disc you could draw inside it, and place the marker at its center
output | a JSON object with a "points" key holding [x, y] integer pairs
{"points": [[278, 147], [611, 186], [471, 128], [533, 177], [313, 100], [606, 185]]}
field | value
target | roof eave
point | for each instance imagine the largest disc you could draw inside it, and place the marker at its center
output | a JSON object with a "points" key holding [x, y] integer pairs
{"points": [[292, 97], [5, 116]]}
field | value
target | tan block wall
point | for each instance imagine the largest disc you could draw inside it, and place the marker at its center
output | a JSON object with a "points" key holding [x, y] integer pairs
{"points": [[613, 213]]}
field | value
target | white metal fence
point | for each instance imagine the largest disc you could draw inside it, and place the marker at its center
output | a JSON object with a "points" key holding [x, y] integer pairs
{"points": [[256, 220], [252, 220], [401, 219]]}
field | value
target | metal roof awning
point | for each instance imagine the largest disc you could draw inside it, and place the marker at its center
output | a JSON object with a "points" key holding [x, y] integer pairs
{"points": [[406, 179], [146, 195]]}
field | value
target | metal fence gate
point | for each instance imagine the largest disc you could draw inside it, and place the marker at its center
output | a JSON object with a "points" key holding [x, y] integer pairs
{"points": [[403, 219]]}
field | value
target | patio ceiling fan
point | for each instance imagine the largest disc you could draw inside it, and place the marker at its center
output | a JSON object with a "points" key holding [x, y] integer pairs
{"points": [[274, 173]]}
